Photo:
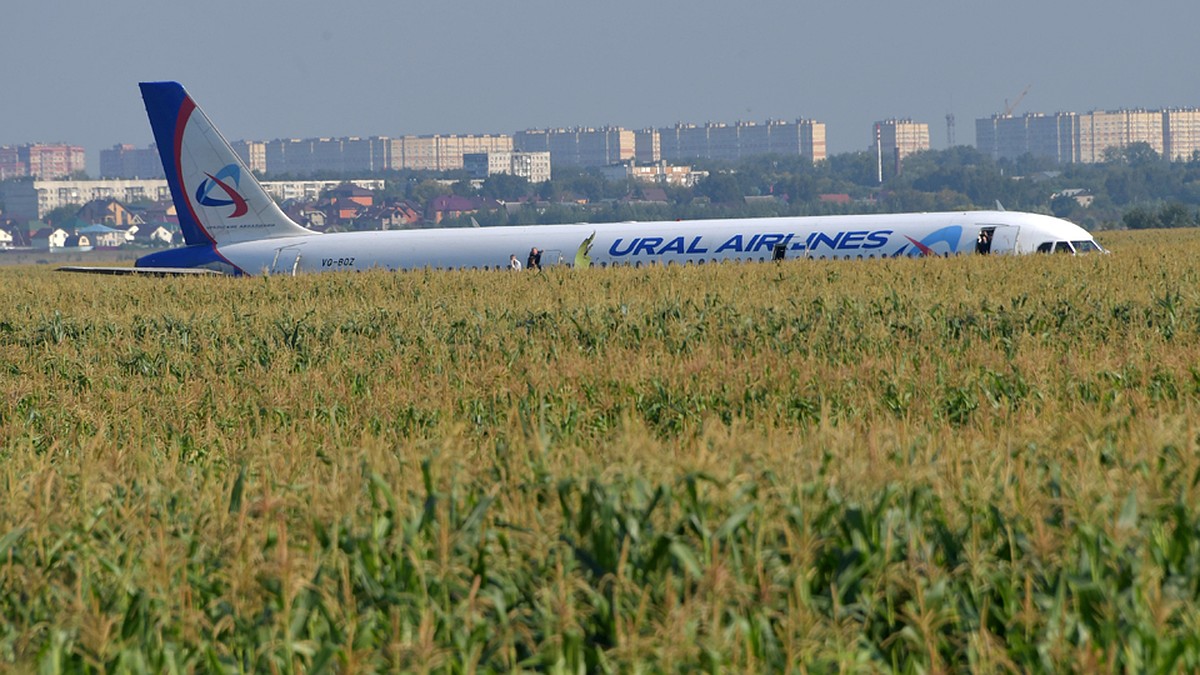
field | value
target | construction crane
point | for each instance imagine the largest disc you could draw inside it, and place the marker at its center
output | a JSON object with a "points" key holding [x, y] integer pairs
{"points": [[1008, 109]]}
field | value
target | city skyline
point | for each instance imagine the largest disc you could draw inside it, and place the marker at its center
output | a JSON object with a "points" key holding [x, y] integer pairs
{"points": [[275, 70]]}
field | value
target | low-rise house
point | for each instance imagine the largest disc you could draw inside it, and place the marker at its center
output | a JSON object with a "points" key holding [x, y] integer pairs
{"points": [[306, 215], [154, 235], [109, 212], [49, 238], [102, 236], [648, 195], [398, 216], [349, 192], [453, 206], [1082, 197], [157, 212], [130, 232], [79, 242]]}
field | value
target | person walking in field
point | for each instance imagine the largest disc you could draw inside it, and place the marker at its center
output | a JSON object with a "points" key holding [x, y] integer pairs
{"points": [[513, 263]]}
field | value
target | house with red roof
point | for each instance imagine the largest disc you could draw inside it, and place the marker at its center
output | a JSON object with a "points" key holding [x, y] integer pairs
{"points": [[454, 206]]}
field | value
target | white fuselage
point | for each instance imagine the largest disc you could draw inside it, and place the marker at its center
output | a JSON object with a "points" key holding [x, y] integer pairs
{"points": [[668, 242]]}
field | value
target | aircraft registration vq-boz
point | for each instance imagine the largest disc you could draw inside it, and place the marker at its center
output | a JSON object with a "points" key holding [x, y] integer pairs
{"points": [[231, 226]]}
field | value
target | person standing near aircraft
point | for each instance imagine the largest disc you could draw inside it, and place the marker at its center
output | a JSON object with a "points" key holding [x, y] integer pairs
{"points": [[535, 259], [513, 263]]}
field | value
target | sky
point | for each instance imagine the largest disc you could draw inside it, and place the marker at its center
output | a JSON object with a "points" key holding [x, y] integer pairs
{"points": [[266, 69]]}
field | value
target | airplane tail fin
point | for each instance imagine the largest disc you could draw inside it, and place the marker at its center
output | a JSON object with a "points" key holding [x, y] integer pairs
{"points": [[217, 199]]}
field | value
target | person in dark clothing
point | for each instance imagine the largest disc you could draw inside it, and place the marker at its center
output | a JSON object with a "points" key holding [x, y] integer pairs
{"points": [[535, 259], [983, 245]]}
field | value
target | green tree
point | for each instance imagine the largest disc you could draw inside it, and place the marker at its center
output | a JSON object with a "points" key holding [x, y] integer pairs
{"points": [[721, 188], [1176, 215], [61, 215], [505, 187], [1139, 218], [425, 190]]}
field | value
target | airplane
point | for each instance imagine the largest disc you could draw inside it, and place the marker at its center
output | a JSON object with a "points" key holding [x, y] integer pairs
{"points": [[232, 226]]}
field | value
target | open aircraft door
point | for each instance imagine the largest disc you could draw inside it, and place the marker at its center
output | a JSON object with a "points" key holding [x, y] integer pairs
{"points": [[287, 260], [1004, 239]]}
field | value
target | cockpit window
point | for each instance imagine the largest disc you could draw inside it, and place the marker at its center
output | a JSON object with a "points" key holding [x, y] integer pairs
{"points": [[1045, 247], [1087, 246], [1062, 247]]}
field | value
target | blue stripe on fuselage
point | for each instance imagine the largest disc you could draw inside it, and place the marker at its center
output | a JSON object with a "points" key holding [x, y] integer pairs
{"points": [[204, 257]]}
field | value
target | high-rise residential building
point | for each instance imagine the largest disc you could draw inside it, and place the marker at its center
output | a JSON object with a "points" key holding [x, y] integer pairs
{"points": [[1088, 137], [11, 165], [899, 138], [579, 146], [533, 166], [732, 142], [1181, 133], [1053, 137], [43, 161], [313, 156], [1101, 130], [442, 153], [290, 156], [127, 161], [647, 146], [253, 154]]}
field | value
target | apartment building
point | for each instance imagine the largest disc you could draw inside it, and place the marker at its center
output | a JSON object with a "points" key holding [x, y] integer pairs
{"points": [[253, 154], [579, 146], [442, 153], [1053, 136], [1101, 130], [899, 138], [311, 190], [647, 146], [11, 165], [32, 200], [731, 142], [43, 161], [1087, 137], [126, 161], [533, 166], [1181, 133]]}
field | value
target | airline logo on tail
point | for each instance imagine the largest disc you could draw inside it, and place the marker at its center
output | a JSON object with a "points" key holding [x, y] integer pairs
{"points": [[229, 172]]}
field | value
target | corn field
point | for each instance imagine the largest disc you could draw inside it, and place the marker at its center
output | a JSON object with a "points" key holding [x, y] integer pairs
{"points": [[964, 464]]}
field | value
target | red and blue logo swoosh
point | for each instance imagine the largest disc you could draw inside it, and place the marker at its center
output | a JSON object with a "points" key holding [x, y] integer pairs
{"points": [[231, 172], [948, 235]]}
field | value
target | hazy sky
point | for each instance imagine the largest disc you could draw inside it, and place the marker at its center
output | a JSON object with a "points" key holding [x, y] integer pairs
{"points": [[271, 69]]}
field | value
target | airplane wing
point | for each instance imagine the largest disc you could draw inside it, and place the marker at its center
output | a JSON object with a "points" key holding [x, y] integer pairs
{"points": [[139, 271]]}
